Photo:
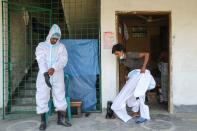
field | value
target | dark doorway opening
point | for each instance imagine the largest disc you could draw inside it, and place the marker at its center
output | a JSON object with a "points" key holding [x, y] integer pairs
{"points": [[148, 32]]}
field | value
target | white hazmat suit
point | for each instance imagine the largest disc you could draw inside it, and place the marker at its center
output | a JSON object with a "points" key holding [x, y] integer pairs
{"points": [[136, 86], [51, 56]]}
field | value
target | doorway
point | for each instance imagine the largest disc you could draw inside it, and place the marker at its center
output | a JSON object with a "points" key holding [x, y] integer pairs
{"points": [[148, 32]]}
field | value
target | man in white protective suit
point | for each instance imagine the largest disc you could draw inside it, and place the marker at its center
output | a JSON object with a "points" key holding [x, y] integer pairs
{"points": [[139, 81], [51, 56]]}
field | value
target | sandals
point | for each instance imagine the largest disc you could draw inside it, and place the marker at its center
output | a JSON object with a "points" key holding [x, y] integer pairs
{"points": [[140, 120]]}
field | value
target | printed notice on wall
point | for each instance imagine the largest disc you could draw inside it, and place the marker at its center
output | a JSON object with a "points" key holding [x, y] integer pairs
{"points": [[108, 40]]}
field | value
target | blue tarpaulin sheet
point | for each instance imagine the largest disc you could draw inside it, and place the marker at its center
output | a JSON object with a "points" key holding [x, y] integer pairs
{"points": [[82, 67]]}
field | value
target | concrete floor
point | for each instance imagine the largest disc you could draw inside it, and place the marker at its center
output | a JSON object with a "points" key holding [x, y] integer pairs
{"points": [[161, 121]]}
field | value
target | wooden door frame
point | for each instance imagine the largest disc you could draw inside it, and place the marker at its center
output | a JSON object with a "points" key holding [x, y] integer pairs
{"points": [[168, 13]]}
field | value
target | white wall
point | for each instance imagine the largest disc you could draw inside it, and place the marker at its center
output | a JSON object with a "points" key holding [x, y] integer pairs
{"points": [[184, 45], [1, 89], [1, 60]]}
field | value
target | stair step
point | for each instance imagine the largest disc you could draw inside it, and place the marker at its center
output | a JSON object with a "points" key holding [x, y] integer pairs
{"points": [[24, 92], [22, 88], [30, 85], [34, 74], [34, 69], [27, 85], [24, 108], [25, 100], [29, 80], [32, 79]]}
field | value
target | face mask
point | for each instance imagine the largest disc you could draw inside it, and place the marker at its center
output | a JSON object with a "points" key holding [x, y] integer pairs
{"points": [[122, 57]]}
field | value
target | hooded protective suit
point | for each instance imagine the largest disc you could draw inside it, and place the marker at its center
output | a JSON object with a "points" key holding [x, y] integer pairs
{"points": [[51, 56], [136, 86]]}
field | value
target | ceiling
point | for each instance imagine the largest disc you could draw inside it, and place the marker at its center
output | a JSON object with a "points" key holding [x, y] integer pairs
{"points": [[82, 16]]}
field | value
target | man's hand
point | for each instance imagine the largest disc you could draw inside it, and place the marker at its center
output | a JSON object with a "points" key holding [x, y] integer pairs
{"points": [[51, 71], [142, 70]]}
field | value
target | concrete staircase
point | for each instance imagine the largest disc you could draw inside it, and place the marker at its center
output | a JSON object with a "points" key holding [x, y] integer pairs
{"points": [[24, 96]]}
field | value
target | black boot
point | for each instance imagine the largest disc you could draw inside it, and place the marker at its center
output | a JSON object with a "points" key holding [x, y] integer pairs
{"points": [[43, 122], [60, 119]]}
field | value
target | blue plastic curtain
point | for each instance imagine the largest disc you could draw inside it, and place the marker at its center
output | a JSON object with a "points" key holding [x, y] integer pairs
{"points": [[82, 67]]}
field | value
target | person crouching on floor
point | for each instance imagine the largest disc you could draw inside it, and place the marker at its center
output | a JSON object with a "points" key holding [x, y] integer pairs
{"points": [[139, 81]]}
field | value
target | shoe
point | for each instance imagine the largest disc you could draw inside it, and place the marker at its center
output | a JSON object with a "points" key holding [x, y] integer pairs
{"points": [[60, 120], [43, 122], [87, 114], [140, 120]]}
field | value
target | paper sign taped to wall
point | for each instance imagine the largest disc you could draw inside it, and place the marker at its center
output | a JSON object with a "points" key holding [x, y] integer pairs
{"points": [[109, 40]]}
